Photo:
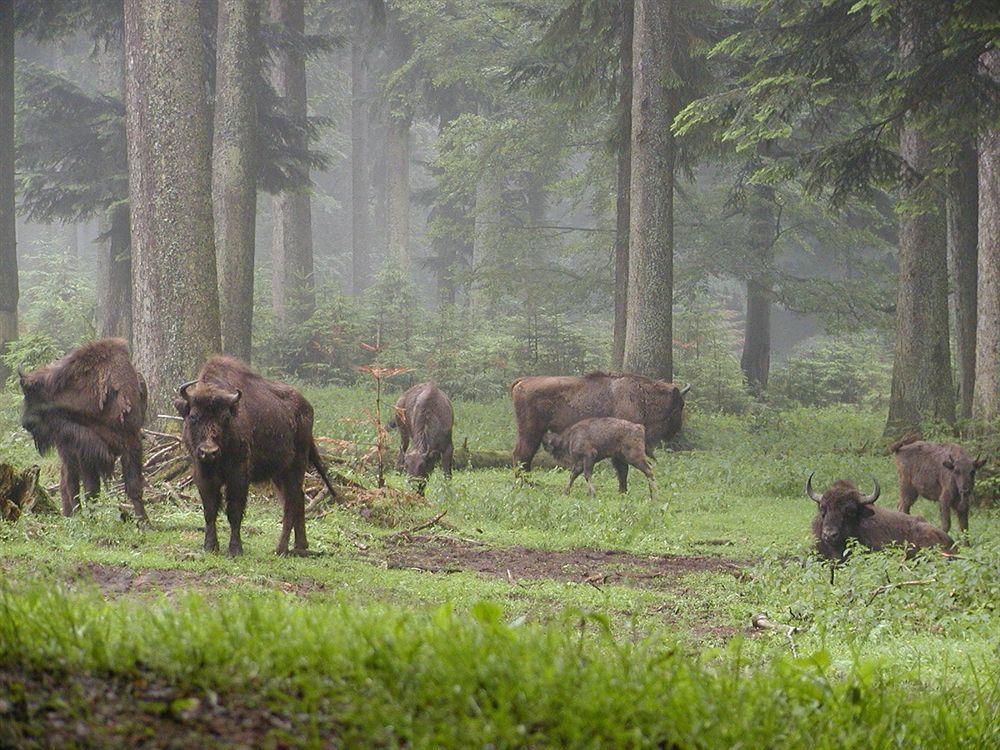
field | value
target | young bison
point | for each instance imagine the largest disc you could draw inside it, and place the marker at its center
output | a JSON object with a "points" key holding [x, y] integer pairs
{"points": [[424, 415], [941, 472], [240, 428], [592, 440], [844, 513]]}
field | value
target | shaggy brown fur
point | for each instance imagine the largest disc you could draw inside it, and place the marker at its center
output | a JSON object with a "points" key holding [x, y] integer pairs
{"points": [[844, 513], [89, 406], [592, 440], [241, 428], [544, 403], [941, 472], [424, 415]]}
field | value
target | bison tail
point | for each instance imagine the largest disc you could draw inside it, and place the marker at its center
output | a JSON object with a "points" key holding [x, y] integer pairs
{"points": [[317, 463], [911, 438]]}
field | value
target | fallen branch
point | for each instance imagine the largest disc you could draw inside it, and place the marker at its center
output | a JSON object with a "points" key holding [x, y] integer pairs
{"points": [[760, 622], [889, 586], [418, 527]]}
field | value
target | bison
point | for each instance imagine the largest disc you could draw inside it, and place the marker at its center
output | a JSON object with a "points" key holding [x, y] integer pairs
{"points": [[241, 428], [424, 415], [90, 406], [592, 440], [544, 403], [844, 513], [941, 472]]}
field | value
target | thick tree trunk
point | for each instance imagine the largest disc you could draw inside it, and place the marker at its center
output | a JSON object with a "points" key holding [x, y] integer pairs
{"points": [[649, 334], [293, 285], [622, 207], [234, 184], [114, 277], [361, 264], [175, 305], [986, 397], [756, 359], [963, 199], [921, 370], [8, 235], [452, 246]]}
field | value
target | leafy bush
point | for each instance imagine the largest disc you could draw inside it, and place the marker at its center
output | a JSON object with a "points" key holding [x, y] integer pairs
{"points": [[29, 352], [57, 299]]}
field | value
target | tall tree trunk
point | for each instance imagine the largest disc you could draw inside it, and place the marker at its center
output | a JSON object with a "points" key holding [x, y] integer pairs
{"points": [[756, 359], [114, 276], [292, 286], [622, 209], [361, 265], [175, 305], [649, 329], [963, 199], [234, 184], [8, 235], [452, 246], [921, 369], [986, 397], [397, 155]]}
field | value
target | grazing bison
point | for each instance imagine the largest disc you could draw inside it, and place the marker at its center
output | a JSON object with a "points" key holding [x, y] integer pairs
{"points": [[844, 513], [543, 403], [592, 440], [941, 472], [241, 428], [90, 406], [424, 415]]}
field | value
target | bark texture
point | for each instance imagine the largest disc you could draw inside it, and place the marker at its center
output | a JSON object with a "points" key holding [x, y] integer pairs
{"points": [[649, 334], [986, 397], [234, 185], [292, 286], [756, 358], [9, 291], [397, 156], [361, 265], [114, 277], [921, 370], [622, 206], [963, 198], [175, 306]]}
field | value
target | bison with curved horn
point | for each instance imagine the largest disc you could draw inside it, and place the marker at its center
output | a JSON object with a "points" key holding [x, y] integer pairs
{"points": [[844, 513]]}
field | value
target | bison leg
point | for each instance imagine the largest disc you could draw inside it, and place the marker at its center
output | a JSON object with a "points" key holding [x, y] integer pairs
{"points": [[236, 504], [621, 468], [69, 486], [446, 458], [211, 499], [945, 503], [404, 444], [293, 516], [573, 474], [643, 466], [91, 482], [132, 475], [907, 496], [525, 450]]}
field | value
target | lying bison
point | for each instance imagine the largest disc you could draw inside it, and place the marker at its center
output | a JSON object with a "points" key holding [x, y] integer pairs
{"points": [[90, 406], [543, 403], [941, 472], [240, 428], [844, 513], [424, 415], [592, 440]]}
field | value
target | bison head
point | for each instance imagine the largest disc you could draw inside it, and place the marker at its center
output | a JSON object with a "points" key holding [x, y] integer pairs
{"points": [[420, 463], [37, 412], [553, 443], [963, 470], [840, 509], [208, 411]]}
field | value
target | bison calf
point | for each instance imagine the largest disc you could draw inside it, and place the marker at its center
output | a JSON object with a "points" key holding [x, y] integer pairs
{"points": [[425, 417], [844, 513], [941, 472], [90, 406], [241, 428], [591, 440]]}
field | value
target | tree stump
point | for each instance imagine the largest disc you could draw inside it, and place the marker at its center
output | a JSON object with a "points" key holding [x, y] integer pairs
{"points": [[20, 493]]}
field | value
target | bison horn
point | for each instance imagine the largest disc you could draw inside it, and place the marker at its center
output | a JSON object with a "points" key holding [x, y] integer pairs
{"points": [[20, 370], [869, 499], [235, 397], [685, 389], [183, 389], [813, 494]]}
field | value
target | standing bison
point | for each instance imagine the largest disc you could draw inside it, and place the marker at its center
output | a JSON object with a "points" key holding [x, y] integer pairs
{"points": [[90, 406], [240, 428], [424, 415], [554, 403], [941, 472], [844, 513]]}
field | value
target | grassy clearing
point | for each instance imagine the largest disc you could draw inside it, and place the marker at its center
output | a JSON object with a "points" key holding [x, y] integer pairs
{"points": [[349, 646]]}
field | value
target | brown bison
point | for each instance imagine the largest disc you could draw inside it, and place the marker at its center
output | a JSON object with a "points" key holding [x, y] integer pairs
{"points": [[241, 428], [941, 472], [424, 415], [543, 403], [90, 406], [592, 440], [844, 513]]}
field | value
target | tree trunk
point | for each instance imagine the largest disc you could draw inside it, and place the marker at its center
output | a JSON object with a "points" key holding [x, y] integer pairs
{"points": [[175, 305], [624, 176], [8, 235], [397, 155], [649, 328], [986, 397], [963, 198], [292, 286], [756, 359], [114, 277], [452, 243], [921, 369], [361, 265], [234, 185]]}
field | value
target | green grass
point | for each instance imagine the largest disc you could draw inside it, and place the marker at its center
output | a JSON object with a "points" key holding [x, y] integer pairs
{"points": [[379, 656]]}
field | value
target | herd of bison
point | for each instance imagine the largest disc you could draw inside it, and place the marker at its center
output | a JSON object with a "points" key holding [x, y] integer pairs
{"points": [[240, 428]]}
